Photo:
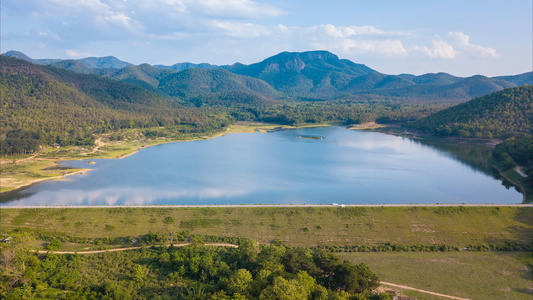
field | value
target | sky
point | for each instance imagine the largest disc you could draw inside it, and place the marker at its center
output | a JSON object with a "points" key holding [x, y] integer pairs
{"points": [[463, 38]]}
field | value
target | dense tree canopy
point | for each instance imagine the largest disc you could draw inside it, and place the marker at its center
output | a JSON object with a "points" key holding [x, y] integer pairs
{"points": [[191, 272], [500, 114]]}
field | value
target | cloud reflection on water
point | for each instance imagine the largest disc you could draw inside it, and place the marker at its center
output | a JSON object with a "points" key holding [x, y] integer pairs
{"points": [[126, 196]]}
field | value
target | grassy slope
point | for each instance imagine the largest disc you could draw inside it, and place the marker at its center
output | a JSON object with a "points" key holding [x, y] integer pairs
{"points": [[473, 275], [455, 226]]}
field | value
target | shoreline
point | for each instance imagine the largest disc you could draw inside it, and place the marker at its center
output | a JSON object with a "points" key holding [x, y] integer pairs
{"points": [[235, 128], [269, 205]]}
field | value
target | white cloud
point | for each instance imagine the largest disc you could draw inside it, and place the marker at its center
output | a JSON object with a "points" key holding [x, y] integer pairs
{"points": [[463, 42], [439, 49], [349, 31], [351, 40], [233, 8], [241, 30], [74, 54]]}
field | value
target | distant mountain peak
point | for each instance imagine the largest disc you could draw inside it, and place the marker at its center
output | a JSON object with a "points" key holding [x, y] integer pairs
{"points": [[107, 62], [19, 55]]}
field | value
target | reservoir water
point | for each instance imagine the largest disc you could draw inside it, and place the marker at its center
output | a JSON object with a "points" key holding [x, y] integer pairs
{"points": [[303, 166]]}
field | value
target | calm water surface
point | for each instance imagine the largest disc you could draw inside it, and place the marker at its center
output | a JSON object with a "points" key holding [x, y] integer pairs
{"points": [[285, 167]]}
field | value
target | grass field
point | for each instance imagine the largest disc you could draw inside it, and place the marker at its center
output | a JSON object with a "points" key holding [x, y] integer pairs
{"points": [[473, 275], [458, 226]]}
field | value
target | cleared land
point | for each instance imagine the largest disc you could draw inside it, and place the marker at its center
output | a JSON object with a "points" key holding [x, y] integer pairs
{"points": [[473, 275]]}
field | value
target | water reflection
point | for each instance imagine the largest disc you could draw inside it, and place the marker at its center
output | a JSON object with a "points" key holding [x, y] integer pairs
{"points": [[474, 156]]}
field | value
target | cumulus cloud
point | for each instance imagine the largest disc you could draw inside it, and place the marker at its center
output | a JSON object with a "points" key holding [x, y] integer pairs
{"points": [[463, 41], [456, 44], [439, 49], [348, 40], [241, 30], [73, 54], [216, 31], [232, 8]]}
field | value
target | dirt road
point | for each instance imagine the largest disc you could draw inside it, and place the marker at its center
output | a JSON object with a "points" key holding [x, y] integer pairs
{"points": [[421, 291], [130, 248]]}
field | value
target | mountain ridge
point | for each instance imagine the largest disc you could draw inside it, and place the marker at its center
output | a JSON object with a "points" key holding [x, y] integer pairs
{"points": [[300, 76]]}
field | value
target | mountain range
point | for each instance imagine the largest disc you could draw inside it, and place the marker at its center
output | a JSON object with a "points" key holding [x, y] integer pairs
{"points": [[310, 76]]}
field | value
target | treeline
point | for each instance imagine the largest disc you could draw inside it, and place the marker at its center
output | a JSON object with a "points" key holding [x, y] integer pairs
{"points": [[191, 272], [516, 152], [501, 114], [331, 111], [391, 247]]}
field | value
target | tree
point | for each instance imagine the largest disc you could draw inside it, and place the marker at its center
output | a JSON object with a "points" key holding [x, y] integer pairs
{"points": [[239, 282], [354, 278]]}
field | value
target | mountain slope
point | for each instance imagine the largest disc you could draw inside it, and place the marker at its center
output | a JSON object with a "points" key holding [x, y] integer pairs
{"points": [[108, 62], [57, 105], [192, 83], [500, 114], [314, 73], [187, 65]]}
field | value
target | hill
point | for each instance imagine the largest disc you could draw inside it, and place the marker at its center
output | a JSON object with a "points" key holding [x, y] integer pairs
{"points": [[501, 114], [108, 62], [44, 105], [187, 65], [210, 84], [306, 74]]}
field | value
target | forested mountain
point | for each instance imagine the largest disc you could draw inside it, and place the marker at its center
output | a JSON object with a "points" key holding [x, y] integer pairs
{"points": [[313, 75], [501, 114], [322, 75], [143, 75], [108, 62], [307, 74], [44, 105], [192, 83], [521, 79], [187, 65]]}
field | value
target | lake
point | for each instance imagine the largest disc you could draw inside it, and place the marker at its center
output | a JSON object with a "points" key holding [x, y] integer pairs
{"points": [[303, 166]]}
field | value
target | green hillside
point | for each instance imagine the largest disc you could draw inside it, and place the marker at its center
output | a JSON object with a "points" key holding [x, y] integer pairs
{"points": [[314, 73], [500, 114], [192, 83], [45, 105]]}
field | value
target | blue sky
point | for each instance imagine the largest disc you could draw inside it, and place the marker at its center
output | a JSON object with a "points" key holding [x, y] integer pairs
{"points": [[462, 38]]}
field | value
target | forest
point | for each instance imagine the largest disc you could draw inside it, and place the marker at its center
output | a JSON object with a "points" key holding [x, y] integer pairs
{"points": [[196, 271], [501, 114]]}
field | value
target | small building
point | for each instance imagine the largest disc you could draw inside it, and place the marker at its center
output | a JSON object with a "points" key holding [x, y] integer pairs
{"points": [[56, 145], [6, 240]]}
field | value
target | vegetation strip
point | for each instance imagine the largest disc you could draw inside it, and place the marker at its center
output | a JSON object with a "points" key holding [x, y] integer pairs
{"points": [[422, 291]]}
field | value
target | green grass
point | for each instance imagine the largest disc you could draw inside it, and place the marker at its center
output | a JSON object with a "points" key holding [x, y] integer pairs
{"points": [[474, 275], [454, 226]]}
